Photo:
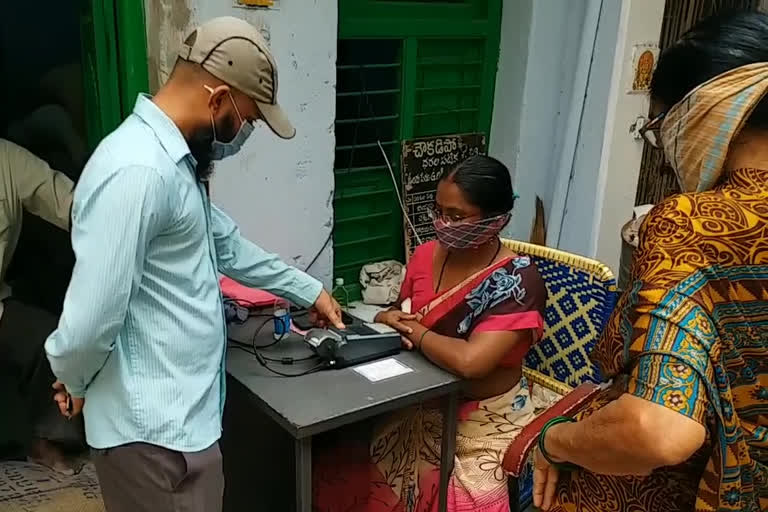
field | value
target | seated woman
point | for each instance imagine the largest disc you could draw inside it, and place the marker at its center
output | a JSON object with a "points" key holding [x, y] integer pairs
{"points": [[686, 426], [473, 307]]}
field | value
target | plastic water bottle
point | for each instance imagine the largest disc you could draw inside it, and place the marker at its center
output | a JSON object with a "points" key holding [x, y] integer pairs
{"points": [[340, 293]]}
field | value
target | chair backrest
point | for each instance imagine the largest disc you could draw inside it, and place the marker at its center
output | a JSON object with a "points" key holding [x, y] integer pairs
{"points": [[581, 297]]}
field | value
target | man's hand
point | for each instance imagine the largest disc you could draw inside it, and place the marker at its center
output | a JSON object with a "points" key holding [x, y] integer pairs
{"points": [[326, 310], [69, 406], [545, 477]]}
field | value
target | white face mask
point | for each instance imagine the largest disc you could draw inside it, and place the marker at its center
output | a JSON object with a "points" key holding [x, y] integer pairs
{"points": [[221, 150]]}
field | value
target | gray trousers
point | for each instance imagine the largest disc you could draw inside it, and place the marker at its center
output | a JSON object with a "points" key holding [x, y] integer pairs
{"points": [[141, 477]]}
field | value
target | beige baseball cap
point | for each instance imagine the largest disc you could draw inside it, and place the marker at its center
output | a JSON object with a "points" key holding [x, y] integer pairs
{"points": [[235, 52]]}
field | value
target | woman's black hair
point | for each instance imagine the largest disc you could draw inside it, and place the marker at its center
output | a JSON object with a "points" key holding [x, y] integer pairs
{"points": [[485, 183], [724, 41]]}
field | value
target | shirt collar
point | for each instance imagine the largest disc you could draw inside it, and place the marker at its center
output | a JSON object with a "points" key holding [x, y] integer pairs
{"points": [[165, 129]]}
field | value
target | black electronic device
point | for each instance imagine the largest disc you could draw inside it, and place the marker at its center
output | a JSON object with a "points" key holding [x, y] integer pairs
{"points": [[302, 321], [358, 343]]}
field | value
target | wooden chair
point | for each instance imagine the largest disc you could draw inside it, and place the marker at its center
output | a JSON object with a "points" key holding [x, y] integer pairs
{"points": [[582, 295]]}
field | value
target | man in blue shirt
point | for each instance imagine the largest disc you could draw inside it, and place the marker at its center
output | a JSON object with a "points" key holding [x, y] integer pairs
{"points": [[141, 341]]}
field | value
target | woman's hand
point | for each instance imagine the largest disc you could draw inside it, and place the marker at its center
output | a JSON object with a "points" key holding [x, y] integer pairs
{"points": [[545, 477], [395, 319], [412, 341]]}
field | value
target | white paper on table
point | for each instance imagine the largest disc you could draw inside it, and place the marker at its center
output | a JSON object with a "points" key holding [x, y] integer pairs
{"points": [[383, 369]]}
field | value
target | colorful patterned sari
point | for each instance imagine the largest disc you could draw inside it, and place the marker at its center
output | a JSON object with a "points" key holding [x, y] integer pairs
{"points": [[692, 335], [398, 470], [692, 332]]}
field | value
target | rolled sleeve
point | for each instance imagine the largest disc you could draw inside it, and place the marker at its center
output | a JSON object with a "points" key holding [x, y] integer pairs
{"points": [[43, 191], [248, 264], [113, 224]]}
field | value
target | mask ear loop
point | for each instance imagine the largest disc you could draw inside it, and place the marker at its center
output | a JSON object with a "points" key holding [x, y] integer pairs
{"points": [[237, 110], [234, 104], [213, 125]]}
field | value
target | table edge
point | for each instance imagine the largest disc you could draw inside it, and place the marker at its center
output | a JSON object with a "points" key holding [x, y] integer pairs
{"points": [[300, 432]]}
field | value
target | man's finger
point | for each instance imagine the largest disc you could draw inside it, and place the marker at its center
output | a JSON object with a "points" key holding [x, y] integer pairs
{"points": [[406, 316], [63, 409], [407, 344], [334, 316]]}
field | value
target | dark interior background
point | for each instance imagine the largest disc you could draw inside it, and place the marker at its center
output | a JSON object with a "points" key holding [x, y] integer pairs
{"points": [[41, 109]]}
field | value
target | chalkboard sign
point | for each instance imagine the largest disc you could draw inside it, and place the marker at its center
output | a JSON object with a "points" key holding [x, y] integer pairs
{"points": [[422, 163]]}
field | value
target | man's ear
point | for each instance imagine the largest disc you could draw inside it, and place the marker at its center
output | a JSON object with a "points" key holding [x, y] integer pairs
{"points": [[217, 97]]}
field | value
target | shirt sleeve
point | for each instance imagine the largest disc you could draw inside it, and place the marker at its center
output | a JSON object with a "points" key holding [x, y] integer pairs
{"points": [[666, 380], [113, 224], [43, 191], [249, 265]]}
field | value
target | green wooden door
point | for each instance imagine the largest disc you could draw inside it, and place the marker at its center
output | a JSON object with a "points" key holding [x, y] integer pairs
{"points": [[405, 69], [114, 55]]}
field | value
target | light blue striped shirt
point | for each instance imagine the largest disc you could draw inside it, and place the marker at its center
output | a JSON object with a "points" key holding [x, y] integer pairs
{"points": [[142, 335]]}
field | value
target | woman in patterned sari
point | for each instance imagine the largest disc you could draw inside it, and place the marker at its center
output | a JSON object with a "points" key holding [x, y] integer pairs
{"points": [[685, 426], [477, 308]]}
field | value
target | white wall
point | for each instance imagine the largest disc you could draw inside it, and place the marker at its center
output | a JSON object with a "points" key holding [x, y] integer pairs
{"points": [[562, 116], [575, 233], [504, 143], [279, 192], [540, 42], [640, 22]]}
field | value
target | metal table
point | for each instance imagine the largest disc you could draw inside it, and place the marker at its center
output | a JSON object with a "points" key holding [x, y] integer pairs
{"points": [[319, 402]]}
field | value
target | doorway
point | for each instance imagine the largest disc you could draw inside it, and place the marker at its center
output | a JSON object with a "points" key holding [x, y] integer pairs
{"points": [[72, 71]]}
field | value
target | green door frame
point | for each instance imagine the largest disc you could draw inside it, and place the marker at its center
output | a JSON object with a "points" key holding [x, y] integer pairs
{"points": [[114, 53], [132, 52]]}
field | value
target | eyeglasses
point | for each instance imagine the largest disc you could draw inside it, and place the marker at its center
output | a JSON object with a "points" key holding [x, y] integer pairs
{"points": [[651, 132], [435, 214]]}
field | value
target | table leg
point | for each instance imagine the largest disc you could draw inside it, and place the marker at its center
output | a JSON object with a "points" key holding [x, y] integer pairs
{"points": [[303, 448], [448, 447]]}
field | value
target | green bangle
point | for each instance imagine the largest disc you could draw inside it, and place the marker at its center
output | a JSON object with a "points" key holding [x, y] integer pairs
{"points": [[551, 423], [421, 338]]}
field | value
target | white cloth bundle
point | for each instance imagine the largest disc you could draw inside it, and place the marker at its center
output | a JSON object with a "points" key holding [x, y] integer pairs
{"points": [[381, 282]]}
